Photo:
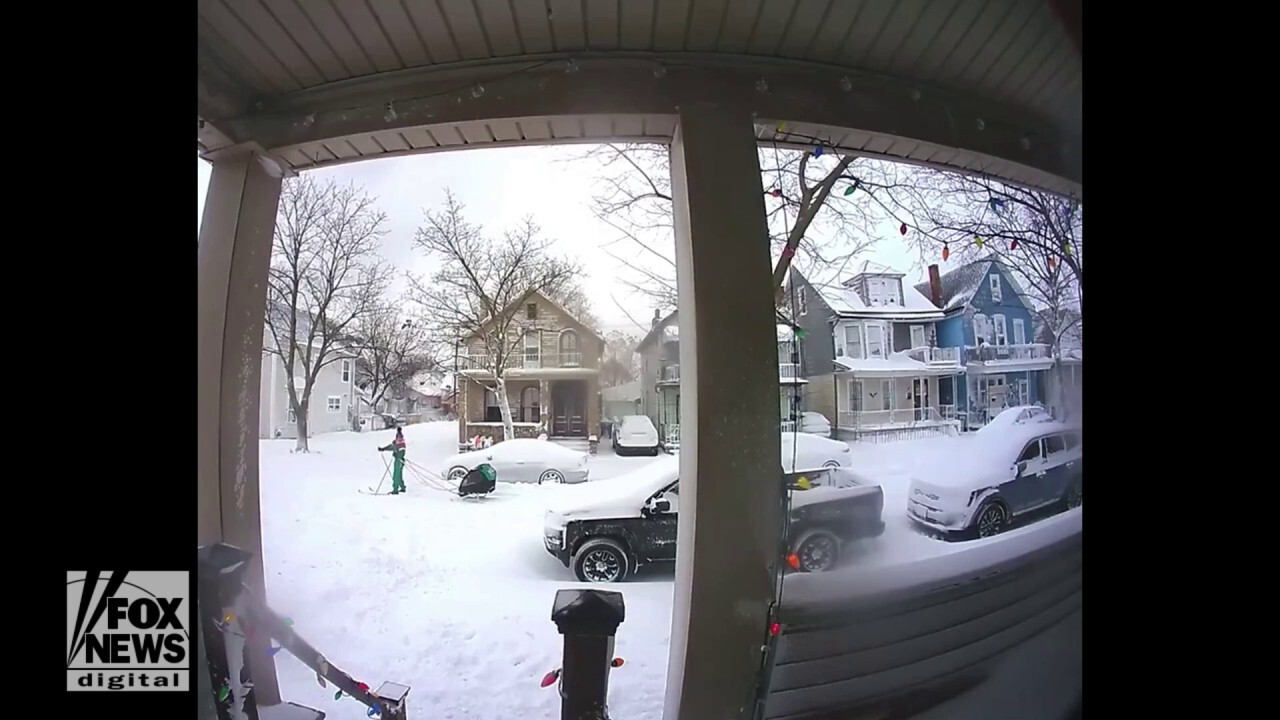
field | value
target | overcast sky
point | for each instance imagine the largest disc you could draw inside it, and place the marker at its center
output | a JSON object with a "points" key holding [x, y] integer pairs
{"points": [[499, 187]]}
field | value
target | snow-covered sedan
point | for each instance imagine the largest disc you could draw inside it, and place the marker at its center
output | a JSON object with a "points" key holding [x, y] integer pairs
{"points": [[523, 461], [996, 476], [802, 451]]}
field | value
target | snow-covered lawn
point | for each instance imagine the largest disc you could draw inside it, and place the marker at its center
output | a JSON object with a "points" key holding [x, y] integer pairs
{"points": [[453, 596]]}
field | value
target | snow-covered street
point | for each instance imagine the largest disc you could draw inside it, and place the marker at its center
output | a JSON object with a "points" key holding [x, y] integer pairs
{"points": [[453, 596]]}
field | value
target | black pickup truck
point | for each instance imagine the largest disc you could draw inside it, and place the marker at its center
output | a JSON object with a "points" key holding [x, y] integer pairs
{"points": [[606, 530]]}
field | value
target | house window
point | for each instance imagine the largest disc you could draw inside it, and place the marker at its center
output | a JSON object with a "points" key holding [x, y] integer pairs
{"points": [[875, 341], [997, 291], [803, 301], [492, 411], [1031, 453], [569, 355], [853, 341], [531, 311], [1002, 337], [532, 349], [917, 336], [855, 396], [346, 371], [333, 403], [529, 398], [886, 395], [1053, 444], [981, 329], [1019, 332]]}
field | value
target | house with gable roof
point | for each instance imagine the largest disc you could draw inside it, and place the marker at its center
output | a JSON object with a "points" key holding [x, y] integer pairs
{"points": [[873, 359], [553, 385], [987, 318]]}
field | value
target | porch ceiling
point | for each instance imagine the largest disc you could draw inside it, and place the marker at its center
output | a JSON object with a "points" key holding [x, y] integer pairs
{"points": [[981, 85]]}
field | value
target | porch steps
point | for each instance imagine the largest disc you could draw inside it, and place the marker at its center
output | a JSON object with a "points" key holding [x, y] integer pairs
{"points": [[572, 443], [288, 711]]}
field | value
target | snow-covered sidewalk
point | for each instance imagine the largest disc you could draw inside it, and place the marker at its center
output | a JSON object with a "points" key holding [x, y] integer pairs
{"points": [[453, 596]]}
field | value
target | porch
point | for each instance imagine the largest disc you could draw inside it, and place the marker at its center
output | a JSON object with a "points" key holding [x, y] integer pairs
{"points": [[894, 407], [560, 408], [986, 393], [1024, 355]]}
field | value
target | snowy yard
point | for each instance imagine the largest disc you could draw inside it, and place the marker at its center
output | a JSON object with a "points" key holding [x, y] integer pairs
{"points": [[454, 596]]}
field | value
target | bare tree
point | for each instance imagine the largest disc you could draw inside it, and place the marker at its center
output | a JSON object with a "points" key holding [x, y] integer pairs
{"points": [[573, 298], [818, 206], [1037, 234], [394, 348], [480, 286], [325, 275], [622, 363]]}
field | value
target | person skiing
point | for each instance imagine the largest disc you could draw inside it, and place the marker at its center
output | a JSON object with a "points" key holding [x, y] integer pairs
{"points": [[396, 448]]}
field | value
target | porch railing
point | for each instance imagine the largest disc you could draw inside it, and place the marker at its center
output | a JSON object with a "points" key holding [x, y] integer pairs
{"points": [[526, 361], [1006, 353], [788, 371], [896, 417], [936, 356]]}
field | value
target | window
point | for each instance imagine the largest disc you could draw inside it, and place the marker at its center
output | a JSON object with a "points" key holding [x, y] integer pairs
{"points": [[981, 329], [886, 395], [917, 336], [569, 355], [875, 341], [997, 290], [1072, 440], [532, 349], [529, 398], [531, 311], [803, 301], [1031, 453], [334, 403], [346, 371], [492, 411], [1054, 444], [1019, 332], [1002, 337], [855, 396], [853, 341]]}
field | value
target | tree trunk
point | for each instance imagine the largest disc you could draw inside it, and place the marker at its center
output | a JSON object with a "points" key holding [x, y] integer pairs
{"points": [[301, 412], [508, 425]]}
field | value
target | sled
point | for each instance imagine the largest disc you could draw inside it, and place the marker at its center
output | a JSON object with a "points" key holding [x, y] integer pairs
{"points": [[480, 480]]}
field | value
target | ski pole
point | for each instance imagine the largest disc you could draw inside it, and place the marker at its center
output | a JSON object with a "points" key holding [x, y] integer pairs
{"points": [[386, 469]]}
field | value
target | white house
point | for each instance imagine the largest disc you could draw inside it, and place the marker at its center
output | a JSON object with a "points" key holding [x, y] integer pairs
{"points": [[332, 396]]}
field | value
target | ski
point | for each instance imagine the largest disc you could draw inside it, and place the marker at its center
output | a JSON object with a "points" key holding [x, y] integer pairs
{"points": [[371, 491]]}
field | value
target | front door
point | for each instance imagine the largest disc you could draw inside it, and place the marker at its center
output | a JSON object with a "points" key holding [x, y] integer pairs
{"points": [[920, 397], [568, 414]]}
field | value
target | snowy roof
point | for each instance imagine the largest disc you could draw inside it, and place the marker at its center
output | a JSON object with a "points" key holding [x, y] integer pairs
{"points": [[959, 285], [845, 301], [668, 324], [897, 364]]}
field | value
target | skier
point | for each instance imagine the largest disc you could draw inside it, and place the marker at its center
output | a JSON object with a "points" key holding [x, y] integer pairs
{"points": [[396, 448]]}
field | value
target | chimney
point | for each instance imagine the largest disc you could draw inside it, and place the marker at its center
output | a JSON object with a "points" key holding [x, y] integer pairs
{"points": [[935, 286], [656, 319]]}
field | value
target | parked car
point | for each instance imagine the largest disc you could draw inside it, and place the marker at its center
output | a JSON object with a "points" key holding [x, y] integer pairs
{"points": [[1017, 415], [523, 460], [815, 424], [635, 435], [606, 531], [802, 451], [996, 476]]}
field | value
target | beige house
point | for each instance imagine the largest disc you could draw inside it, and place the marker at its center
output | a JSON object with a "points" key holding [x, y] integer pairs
{"points": [[552, 377]]}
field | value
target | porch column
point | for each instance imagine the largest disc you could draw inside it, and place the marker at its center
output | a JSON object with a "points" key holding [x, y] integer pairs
{"points": [[730, 475], [231, 263]]}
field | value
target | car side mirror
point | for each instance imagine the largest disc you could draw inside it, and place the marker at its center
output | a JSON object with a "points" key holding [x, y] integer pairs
{"points": [[661, 506], [1020, 469]]}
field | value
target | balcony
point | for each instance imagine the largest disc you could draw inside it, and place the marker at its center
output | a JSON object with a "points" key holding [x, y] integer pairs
{"points": [[936, 356], [1028, 352], [670, 373], [518, 361], [789, 372]]}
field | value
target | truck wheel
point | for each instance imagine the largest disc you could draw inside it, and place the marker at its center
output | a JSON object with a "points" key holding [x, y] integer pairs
{"points": [[1075, 495], [601, 560], [992, 519], [818, 550]]}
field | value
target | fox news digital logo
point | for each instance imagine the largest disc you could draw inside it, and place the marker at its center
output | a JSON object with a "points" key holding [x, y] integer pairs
{"points": [[127, 631]]}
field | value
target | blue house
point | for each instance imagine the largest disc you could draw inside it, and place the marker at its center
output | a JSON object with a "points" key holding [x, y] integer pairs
{"points": [[988, 318]]}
